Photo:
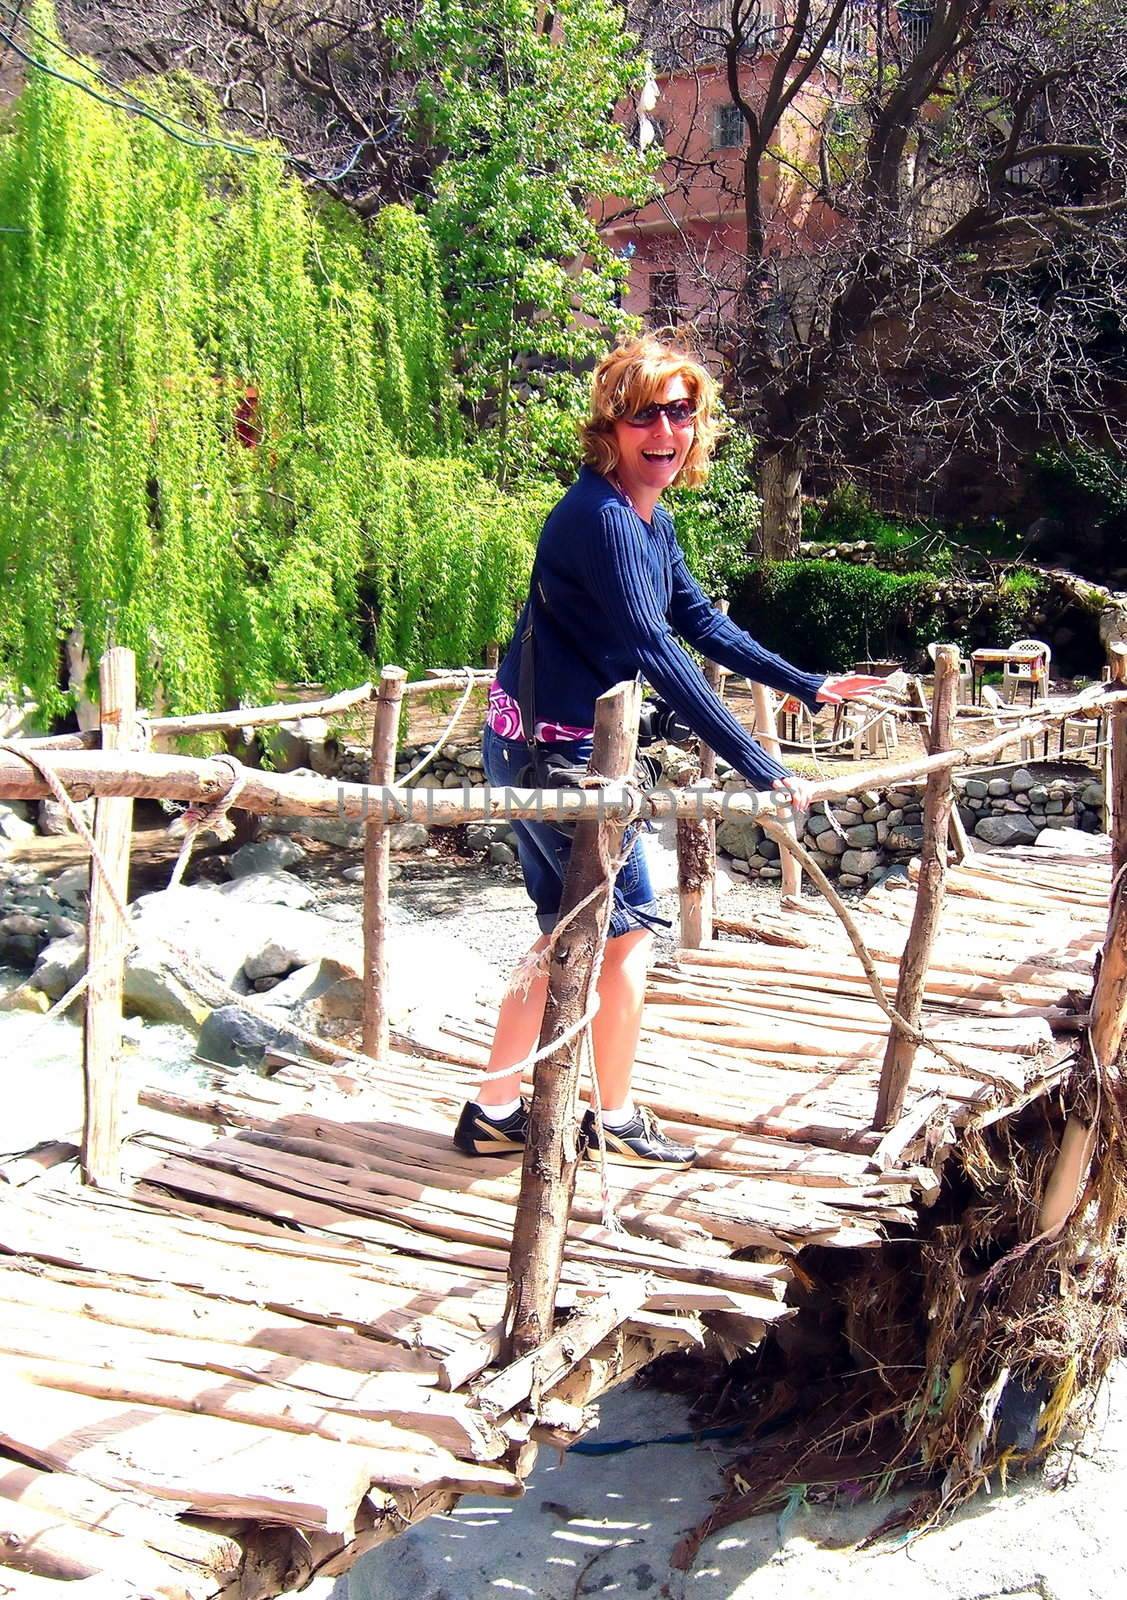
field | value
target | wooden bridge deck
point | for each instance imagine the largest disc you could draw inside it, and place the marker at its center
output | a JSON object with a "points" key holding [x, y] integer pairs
{"points": [[279, 1346]]}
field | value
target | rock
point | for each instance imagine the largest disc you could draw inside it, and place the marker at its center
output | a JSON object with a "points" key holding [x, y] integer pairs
{"points": [[876, 814], [854, 805], [1005, 830], [975, 788], [1092, 795], [863, 837], [15, 828], [60, 965], [408, 836], [817, 823], [24, 809], [472, 757], [1009, 806], [738, 866], [272, 889], [268, 855], [454, 780], [850, 880], [152, 991], [1022, 781], [53, 820], [770, 872], [233, 1038], [342, 1001], [501, 855], [1038, 794], [859, 862], [275, 960], [827, 863], [740, 837], [895, 816], [307, 984], [72, 887], [26, 997], [479, 837], [289, 746], [1054, 807], [831, 844], [997, 787]]}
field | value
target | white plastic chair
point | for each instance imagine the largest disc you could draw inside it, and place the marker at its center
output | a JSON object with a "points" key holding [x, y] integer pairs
{"points": [[1033, 670], [964, 671]]}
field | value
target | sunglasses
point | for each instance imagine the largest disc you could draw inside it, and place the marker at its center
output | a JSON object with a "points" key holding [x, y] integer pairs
{"points": [[680, 413]]}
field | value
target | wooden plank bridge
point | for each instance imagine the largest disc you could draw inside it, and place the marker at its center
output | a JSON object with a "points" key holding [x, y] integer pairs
{"points": [[281, 1337]]}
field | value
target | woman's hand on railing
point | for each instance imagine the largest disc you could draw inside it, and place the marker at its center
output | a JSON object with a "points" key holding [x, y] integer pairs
{"points": [[792, 793]]}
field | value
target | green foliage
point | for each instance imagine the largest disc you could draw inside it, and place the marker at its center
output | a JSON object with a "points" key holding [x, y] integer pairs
{"points": [[1019, 597], [1088, 487], [826, 615], [225, 417], [525, 115], [717, 525], [848, 515]]}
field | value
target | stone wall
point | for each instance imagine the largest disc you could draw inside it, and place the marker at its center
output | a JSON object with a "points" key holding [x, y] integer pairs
{"points": [[858, 839]]}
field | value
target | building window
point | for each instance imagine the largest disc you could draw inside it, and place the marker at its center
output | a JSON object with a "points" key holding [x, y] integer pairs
{"points": [[665, 301], [850, 37], [730, 127], [915, 25]]}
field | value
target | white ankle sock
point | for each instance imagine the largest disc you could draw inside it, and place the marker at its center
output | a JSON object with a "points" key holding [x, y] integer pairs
{"points": [[499, 1113], [617, 1120]]}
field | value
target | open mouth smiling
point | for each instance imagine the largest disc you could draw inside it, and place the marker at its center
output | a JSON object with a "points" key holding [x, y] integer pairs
{"points": [[659, 455]]}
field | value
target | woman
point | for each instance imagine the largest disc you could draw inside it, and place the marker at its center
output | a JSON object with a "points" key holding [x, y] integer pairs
{"points": [[610, 588]]}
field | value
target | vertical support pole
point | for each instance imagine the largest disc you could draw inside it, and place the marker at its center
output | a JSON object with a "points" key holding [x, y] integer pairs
{"points": [[696, 841], [106, 937], [766, 733], [1109, 998], [960, 839], [1115, 777], [552, 1148], [492, 655], [377, 863], [938, 800]]}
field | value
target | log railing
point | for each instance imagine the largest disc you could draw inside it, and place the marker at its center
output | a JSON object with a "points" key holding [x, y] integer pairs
{"points": [[131, 773]]}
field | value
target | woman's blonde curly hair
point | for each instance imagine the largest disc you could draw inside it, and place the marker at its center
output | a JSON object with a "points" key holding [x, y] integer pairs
{"points": [[629, 378]]}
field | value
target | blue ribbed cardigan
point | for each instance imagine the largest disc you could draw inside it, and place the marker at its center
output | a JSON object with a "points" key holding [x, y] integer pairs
{"points": [[615, 592]]}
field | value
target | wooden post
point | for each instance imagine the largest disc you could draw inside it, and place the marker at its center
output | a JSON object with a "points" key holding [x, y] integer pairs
{"points": [[960, 839], [1115, 772], [1109, 998], [492, 655], [377, 862], [106, 937], [696, 842], [768, 737], [938, 800], [551, 1151]]}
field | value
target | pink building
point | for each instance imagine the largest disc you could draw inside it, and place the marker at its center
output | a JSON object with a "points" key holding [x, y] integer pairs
{"points": [[687, 250]]}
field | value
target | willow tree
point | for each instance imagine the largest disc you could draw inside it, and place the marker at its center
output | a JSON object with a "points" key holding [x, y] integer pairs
{"points": [[227, 438]]}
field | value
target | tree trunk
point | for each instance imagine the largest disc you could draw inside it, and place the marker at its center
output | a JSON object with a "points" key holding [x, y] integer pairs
{"points": [[781, 486]]}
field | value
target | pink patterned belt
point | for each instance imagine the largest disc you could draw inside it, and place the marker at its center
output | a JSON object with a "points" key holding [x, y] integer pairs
{"points": [[505, 720]]}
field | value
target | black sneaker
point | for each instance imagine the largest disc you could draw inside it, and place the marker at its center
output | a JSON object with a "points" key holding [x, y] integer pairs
{"points": [[641, 1142], [478, 1135]]}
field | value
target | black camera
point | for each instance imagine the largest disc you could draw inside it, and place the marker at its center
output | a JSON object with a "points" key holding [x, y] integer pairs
{"points": [[659, 723]]}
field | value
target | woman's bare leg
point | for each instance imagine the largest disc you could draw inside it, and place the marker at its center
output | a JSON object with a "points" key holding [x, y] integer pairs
{"points": [[615, 1030]]}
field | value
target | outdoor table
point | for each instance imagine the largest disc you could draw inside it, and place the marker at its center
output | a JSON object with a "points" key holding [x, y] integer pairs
{"points": [[981, 659]]}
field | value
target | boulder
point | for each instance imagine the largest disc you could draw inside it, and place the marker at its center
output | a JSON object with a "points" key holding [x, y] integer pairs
{"points": [[60, 965], [270, 889], [739, 837], [1022, 781], [501, 854], [24, 809], [408, 836], [52, 818], [155, 992], [267, 855], [1092, 795], [975, 789], [1016, 829], [275, 960], [233, 1038], [997, 788], [72, 887], [862, 837], [15, 828], [859, 862]]}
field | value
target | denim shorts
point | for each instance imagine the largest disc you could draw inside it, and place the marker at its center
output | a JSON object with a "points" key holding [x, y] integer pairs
{"points": [[544, 848]]}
